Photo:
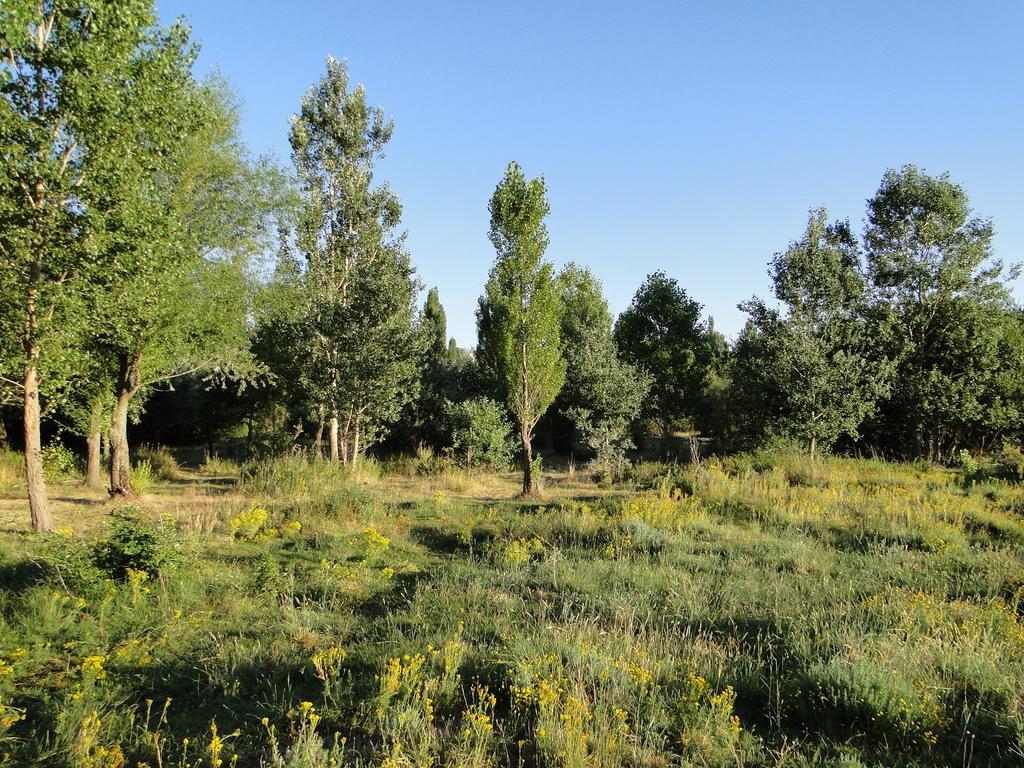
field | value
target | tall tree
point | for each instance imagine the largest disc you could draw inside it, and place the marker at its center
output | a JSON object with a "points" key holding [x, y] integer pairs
{"points": [[85, 119], [519, 315], [362, 351], [180, 301], [662, 333], [809, 373], [940, 301]]}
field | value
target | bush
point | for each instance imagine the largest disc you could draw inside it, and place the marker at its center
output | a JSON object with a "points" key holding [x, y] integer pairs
{"points": [[162, 463], [216, 466], [142, 477], [59, 462], [481, 433], [1010, 461], [135, 544]]}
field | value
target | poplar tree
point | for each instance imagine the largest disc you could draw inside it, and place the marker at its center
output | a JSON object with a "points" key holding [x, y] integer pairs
{"points": [[360, 350], [519, 315]]}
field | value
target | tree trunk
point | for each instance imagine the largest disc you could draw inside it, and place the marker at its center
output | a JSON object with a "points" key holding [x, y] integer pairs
{"points": [[38, 502], [93, 466], [346, 430], [332, 433], [105, 443], [318, 439], [120, 462], [3, 431], [814, 445], [355, 445], [529, 481]]}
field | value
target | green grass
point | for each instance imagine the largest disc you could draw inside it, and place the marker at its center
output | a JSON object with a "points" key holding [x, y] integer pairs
{"points": [[760, 611]]}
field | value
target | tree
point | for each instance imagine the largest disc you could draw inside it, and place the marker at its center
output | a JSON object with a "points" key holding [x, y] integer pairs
{"points": [[86, 117], [180, 302], [361, 351], [481, 434], [809, 374], [602, 395], [940, 302], [662, 333], [435, 325], [446, 378], [519, 315]]}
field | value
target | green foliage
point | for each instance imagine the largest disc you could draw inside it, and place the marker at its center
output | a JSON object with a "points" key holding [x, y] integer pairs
{"points": [[602, 395], [162, 464], [811, 374], [133, 543], [359, 351], [661, 332], [142, 477], [519, 315], [59, 462], [944, 314], [481, 433]]}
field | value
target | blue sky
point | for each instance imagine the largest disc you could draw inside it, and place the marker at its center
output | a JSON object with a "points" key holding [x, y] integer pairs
{"points": [[678, 136]]}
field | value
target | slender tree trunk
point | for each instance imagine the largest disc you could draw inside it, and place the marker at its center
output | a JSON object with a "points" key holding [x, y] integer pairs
{"points": [[318, 439], [38, 502], [346, 431], [93, 465], [105, 443], [3, 431], [355, 444], [814, 445], [120, 461], [333, 437], [529, 482]]}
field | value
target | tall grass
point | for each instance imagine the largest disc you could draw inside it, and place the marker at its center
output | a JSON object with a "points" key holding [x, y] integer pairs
{"points": [[12, 470], [756, 611]]}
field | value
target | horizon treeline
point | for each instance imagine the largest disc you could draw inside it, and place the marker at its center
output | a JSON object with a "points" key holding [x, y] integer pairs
{"points": [[154, 272]]}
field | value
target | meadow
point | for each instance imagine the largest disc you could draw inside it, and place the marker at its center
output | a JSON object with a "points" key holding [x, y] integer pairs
{"points": [[759, 610]]}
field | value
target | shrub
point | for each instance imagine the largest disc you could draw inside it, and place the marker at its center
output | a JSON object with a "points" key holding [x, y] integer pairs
{"points": [[59, 462], [217, 466], [142, 477], [1010, 461], [249, 523], [135, 544], [163, 465], [481, 433]]}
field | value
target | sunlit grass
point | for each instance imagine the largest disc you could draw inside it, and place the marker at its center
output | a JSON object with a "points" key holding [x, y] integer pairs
{"points": [[759, 610]]}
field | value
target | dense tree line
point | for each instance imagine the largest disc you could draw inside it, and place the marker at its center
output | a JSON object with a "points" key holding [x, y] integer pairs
{"points": [[135, 230]]}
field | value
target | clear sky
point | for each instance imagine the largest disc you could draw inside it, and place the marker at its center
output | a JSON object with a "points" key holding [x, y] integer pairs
{"points": [[678, 136]]}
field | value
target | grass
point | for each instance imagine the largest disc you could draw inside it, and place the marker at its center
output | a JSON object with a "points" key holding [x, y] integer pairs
{"points": [[757, 611]]}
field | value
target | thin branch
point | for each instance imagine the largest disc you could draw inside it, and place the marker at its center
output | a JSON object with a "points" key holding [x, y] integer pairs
{"points": [[12, 382], [170, 376]]}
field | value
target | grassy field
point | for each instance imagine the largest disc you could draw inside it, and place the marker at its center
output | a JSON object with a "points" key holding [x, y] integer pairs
{"points": [[760, 611]]}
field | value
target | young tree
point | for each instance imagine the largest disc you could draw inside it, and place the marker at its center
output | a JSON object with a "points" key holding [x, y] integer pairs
{"points": [[84, 122], [602, 395], [446, 379], [940, 299], [519, 315], [662, 333], [809, 373], [362, 351]]}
